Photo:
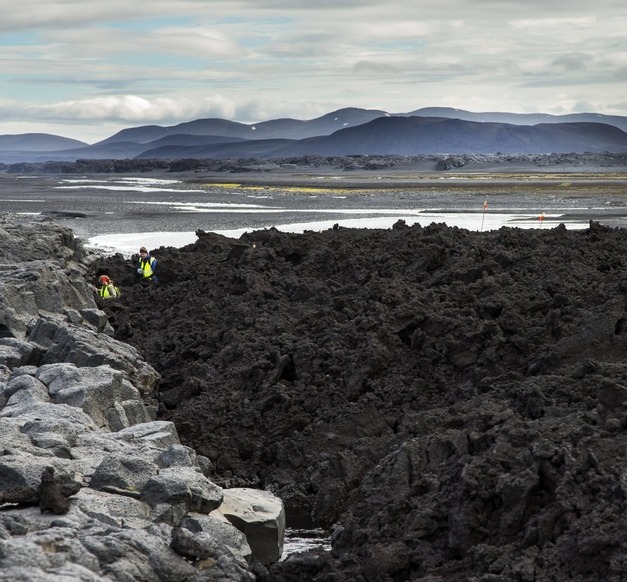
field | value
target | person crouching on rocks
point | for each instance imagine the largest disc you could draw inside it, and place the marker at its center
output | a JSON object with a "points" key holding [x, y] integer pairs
{"points": [[107, 288], [146, 267]]}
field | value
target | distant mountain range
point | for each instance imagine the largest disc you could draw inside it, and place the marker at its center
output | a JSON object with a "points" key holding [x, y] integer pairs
{"points": [[350, 131]]}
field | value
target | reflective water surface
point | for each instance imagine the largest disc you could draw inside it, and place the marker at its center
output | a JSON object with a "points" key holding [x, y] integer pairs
{"points": [[121, 213]]}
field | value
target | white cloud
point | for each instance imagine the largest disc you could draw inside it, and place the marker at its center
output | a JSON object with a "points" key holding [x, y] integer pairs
{"points": [[139, 110], [83, 66]]}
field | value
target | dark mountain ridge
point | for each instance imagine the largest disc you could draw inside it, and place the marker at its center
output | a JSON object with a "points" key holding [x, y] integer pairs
{"points": [[433, 135], [407, 136], [275, 128], [349, 131], [519, 118]]}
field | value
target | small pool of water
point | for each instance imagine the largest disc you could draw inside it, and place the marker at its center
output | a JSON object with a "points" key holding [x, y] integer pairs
{"points": [[301, 540]]}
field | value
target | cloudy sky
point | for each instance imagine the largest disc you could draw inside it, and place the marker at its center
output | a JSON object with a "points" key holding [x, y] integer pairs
{"points": [[88, 68]]}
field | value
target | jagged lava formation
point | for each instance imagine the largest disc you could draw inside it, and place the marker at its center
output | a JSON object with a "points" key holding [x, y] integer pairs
{"points": [[453, 404]]}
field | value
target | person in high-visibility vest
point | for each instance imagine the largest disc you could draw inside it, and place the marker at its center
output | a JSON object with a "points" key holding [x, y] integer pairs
{"points": [[147, 266], [107, 289]]}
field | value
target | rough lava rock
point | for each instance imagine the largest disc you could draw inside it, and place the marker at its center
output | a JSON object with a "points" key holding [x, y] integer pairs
{"points": [[452, 403]]}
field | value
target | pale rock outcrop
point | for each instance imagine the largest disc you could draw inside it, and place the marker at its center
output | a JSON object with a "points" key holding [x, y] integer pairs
{"points": [[63, 342], [25, 293], [133, 503]]}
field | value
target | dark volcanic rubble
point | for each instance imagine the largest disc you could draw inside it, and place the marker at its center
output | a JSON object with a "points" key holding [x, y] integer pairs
{"points": [[452, 403]]}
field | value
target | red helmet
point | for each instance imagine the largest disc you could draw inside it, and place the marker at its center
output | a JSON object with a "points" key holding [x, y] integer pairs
{"points": [[104, 280]]}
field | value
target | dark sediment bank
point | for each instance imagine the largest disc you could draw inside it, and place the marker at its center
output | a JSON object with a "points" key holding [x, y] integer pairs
{"points": [[453, 402]]}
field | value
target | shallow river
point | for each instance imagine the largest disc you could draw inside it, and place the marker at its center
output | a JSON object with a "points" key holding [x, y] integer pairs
{"points": [[121, 213]]}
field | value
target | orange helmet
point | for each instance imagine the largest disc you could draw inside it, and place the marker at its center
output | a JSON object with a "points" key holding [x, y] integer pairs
{"points": [[104, 280]]}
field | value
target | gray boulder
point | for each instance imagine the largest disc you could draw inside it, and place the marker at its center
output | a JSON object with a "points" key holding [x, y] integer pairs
{"points": [[203, 547], [15, 352], [124, 474], [260, 516], [177, 491], [114, 509], [219, 528]]}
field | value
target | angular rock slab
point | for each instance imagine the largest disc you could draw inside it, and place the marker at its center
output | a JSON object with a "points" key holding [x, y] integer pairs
{"points": [[260, 516]]}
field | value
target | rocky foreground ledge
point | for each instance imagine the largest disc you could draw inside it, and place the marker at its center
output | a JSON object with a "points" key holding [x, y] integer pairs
{"points": [[93, 487]]}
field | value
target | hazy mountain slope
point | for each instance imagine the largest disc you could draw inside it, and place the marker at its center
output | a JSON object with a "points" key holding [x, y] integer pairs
{"points": [[141, 134], [325, 125], [518, 118], [118, 149], [239, 149], [187, 140], [275, 128], [100, 151], [198, 127], [37, 142], [348, 131], [595, 136]]}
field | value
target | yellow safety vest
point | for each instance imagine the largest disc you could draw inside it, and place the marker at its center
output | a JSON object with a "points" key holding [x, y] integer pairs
{"points": [[105, 291], [146, 266]]}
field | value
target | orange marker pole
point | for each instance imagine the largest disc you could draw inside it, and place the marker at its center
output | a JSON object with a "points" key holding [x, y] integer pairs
{"points": [[485, 207], [541, 219]]}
